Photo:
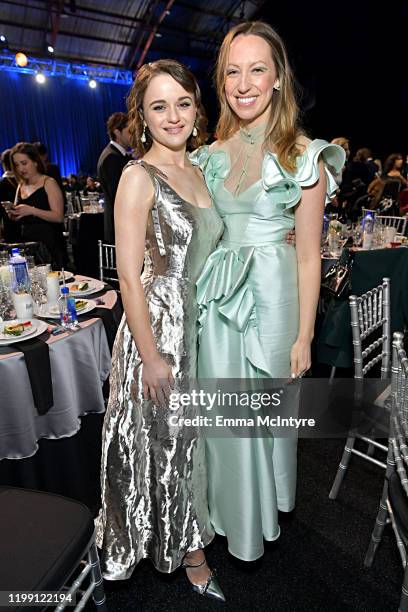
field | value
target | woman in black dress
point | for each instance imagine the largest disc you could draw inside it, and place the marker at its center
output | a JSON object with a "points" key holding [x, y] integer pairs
{"points": [[40, 204]]}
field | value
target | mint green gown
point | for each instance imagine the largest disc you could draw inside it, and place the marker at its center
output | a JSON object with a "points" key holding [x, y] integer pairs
{"points": [[249, 317]]}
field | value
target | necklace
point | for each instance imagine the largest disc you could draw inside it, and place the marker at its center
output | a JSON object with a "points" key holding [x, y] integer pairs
{"points": [[250, 138]]}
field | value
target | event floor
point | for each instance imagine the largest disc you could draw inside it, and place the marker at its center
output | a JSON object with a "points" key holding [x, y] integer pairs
{"points": [[316, 565]]}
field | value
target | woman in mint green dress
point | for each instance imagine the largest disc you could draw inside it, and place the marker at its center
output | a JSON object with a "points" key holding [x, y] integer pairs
{"points": [[257, 293]]}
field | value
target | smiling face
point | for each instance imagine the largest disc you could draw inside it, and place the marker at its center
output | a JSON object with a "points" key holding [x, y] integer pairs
{"points": [[169, 111], [249, 79], [25, 167]]}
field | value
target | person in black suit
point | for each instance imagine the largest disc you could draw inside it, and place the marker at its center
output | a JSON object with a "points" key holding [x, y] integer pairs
{"points": [[111, 162]]}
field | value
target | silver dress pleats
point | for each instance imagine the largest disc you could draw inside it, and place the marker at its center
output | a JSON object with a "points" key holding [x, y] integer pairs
{"points": [[154, 481]]}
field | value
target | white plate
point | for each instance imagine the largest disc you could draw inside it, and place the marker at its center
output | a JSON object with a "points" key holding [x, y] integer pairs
{"points": [[53, 311], [38, 328], [94, 286], [67, 275]]}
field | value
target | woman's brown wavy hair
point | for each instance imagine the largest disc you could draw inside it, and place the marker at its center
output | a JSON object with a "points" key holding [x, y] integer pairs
{"points": [[186, 79], [282, 130], [26, 148]]}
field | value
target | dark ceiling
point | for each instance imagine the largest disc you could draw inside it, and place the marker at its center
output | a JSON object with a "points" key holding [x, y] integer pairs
{"points": [[122, 33]]}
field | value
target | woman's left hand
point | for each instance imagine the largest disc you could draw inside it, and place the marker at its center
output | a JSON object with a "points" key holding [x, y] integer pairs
{"points": [[291, 237], [300, 357], [21, 210]]}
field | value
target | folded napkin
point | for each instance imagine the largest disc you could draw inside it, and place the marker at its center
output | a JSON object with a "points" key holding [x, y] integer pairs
{"points": [[37, 357]]}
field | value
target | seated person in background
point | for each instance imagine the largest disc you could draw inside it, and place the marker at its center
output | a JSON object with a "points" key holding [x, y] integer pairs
{"points": [[40, 204], [91, 186], [73, 183], [375, 191], [363, 167], [393, 169], [8, 188], [345, 144], [82, 181]]}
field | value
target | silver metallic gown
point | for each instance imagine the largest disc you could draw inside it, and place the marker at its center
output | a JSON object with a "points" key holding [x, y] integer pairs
{"points": [[154, 482]]}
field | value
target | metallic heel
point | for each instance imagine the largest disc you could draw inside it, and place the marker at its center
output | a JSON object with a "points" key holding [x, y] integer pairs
{"points": [[211, 588]]}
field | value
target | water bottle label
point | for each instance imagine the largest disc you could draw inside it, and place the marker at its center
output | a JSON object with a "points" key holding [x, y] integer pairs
{"points": [[72, 310]]}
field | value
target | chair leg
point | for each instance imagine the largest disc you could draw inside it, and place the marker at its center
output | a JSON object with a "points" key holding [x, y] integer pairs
{"points": [[98, 594], [345, 460], [403, 605], [378, 530]]}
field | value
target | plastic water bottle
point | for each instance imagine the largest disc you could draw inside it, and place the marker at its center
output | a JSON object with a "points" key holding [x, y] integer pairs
{"points": [[67, 309], [20, 279], [368, 231], [20, 286]]}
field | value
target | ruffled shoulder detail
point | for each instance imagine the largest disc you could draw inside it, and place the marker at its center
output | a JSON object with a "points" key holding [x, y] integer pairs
{"points": [[213, 164], [199, 157], [307, 172]]}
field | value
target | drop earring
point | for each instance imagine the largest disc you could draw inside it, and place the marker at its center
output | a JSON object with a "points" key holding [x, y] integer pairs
{"points": [[143, 136], [194, 132]]}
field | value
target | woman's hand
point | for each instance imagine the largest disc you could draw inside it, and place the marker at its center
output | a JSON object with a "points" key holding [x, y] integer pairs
{"points": [[291, 237], [157, 380], [19, 211], [300, 357]]}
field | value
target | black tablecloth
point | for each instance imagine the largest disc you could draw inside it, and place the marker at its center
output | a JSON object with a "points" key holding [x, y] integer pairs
{"points": [[68, 466], [334, 342], [84, 233]]}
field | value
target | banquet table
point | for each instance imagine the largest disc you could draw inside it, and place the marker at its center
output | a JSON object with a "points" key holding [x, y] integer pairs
{"points": [[58, 451], [334, 340]]}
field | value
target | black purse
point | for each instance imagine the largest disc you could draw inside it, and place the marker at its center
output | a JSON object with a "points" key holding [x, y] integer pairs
{"points": [[337, 280]]}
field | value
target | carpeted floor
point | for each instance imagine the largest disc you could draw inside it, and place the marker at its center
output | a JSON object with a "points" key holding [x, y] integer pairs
{"points": [[316, 565]]}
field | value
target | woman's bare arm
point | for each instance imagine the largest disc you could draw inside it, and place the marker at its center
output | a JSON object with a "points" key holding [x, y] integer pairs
{"points": [[133, 202], [308, 223]]}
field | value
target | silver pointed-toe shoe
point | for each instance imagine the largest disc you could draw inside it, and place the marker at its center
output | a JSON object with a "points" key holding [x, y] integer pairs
{"points": [[211, 588]]}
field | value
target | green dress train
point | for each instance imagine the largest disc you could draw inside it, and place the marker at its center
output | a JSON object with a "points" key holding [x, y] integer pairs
{"points": [[249, 317]]}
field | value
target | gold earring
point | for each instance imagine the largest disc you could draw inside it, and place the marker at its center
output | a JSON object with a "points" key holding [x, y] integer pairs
{"points": [[143, 136]]}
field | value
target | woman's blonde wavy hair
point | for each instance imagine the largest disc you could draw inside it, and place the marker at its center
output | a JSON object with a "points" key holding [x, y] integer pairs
{"points": [[282, 130], [186, 79]]}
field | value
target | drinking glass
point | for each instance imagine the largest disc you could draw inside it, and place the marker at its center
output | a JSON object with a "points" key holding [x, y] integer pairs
{"points": [[30, 261], [38, 277], [6, 305]]}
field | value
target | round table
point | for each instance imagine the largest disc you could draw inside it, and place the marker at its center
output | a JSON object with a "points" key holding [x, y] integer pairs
{"points": [[48, 447]]}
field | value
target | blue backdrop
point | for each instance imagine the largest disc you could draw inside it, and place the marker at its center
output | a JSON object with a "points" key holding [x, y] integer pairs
{"points": [[65, 114]]}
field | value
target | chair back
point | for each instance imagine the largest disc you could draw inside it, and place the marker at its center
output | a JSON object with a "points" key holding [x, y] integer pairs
{"points": [[399, 223], [70, 210], [369, 313], [399, 414], [107, 264], [73, 202], [365, 211]]}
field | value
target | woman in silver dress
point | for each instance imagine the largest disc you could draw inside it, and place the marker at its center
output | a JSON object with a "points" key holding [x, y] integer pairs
{"points": [[154, 484]]}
